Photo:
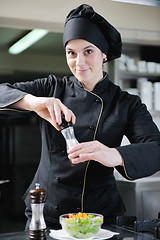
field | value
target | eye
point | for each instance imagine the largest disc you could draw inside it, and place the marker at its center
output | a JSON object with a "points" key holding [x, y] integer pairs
{"points": [[71, 53], [88, 51]]}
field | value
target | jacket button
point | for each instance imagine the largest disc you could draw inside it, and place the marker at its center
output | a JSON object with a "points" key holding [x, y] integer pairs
{"points": [[97, 100], [63, 151], [56, 207], [91, 128], [78, 209], [72, 95], [58, 179]]}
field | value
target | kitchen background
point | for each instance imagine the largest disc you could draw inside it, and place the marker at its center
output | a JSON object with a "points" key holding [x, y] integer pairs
{"points": [[137, 71]]}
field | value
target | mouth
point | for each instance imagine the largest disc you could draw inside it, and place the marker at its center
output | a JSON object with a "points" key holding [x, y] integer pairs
{"points": [[82, 70]]}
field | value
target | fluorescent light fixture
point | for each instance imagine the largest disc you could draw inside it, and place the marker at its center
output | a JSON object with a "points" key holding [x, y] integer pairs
{"points": [[154, 3], [28, 40]]}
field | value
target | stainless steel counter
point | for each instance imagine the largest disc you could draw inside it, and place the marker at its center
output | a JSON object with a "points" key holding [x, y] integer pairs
{"points": [[141, 197], [123, 235]]}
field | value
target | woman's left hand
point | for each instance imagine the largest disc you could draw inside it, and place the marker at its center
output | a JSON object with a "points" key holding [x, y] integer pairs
{"points": [[96, 151]]}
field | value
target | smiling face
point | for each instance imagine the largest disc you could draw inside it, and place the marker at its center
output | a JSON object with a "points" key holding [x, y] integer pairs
{"points": [[85, 61]]}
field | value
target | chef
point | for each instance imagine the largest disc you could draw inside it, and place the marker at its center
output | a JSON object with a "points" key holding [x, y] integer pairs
{"points": [[101, 114]]}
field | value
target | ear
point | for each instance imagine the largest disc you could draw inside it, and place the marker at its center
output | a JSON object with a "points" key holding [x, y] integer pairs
{"points": [[104, 57]]}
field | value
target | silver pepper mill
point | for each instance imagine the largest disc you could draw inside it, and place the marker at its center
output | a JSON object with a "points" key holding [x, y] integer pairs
{"points": [[37, 227]]}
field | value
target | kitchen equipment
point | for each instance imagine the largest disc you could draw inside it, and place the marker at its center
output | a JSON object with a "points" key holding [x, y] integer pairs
{"points": [[149, 226], [37, 228], [68, 133]]}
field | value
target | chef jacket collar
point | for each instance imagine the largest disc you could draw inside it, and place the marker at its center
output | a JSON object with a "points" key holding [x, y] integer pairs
{"points": [[99, 87]]}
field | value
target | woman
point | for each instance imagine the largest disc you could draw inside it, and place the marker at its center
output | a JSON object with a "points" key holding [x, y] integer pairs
{"points": [[101, 113]]}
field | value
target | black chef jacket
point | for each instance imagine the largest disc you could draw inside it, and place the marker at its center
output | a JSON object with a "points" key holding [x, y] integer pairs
{"points": [[105, 114]]}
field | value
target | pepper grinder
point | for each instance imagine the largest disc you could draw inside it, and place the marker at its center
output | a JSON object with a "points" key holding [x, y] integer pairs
{"points": [[37, 227], [68, 133]]}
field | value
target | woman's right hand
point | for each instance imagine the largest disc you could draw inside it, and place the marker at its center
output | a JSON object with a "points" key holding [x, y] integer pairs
{"points": [[48, 108]]}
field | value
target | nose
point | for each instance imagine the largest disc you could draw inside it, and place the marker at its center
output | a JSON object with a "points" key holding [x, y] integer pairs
{"points": [[80, 60]]}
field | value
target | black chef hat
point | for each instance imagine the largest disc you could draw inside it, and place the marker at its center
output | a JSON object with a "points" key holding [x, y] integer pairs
{"points": [[84, 23]]}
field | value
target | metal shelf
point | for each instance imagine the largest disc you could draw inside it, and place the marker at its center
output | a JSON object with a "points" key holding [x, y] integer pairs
{"points": [[128, 74]]}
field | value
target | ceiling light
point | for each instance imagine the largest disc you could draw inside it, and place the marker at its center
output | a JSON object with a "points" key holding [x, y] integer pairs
{"points": [[28, 40], [154, 3]]}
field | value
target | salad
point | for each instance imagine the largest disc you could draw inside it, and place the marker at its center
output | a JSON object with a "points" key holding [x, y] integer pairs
{"points": [[81, 225]]}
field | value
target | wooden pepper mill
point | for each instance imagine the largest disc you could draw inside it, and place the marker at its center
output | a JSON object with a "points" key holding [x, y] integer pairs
{"points": [[37, 227]]}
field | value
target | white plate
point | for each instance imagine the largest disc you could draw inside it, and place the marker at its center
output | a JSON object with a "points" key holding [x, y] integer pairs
{"points": [[102, 234]]}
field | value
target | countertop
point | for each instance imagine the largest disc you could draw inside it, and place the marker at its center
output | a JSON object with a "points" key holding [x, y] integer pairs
{"points": [[124, 234]]}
